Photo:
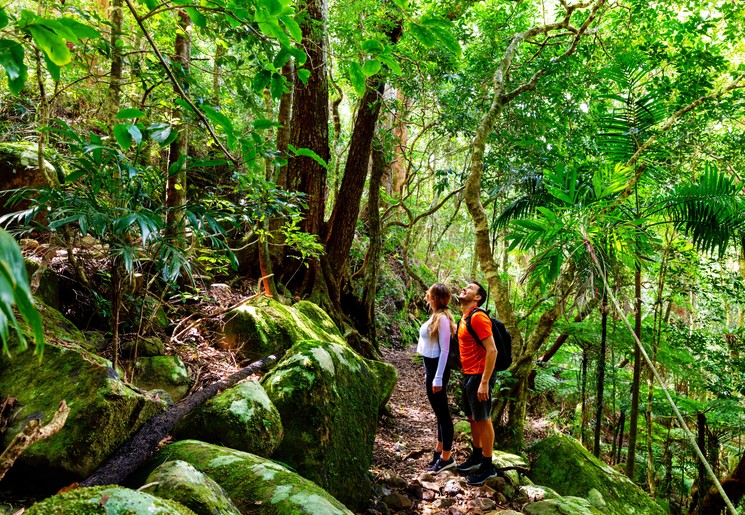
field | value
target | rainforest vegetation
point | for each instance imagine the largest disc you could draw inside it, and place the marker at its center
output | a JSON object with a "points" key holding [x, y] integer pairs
{"points": [[584, 159]]}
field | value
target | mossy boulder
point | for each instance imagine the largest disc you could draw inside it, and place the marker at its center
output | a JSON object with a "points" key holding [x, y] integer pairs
{"points": [[48, 290], [19, 167], [106, 500], [264, 326], [146, 346], [181, 482], [562, 506], [241, 418], [104, 412], [560, 462], [329, 398], [163, 373], [254, 484]]}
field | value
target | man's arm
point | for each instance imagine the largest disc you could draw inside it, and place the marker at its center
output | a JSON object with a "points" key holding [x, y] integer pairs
{"points": [[489, 360]]}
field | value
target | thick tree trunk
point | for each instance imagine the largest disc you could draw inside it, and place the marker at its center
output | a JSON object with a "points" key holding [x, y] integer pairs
{"points": [[176, 184], [310, 119], [636, 381], [137, 449], [284, 119], [401, 136]]}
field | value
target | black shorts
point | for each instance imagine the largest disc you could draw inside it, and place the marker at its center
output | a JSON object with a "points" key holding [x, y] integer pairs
{"points": [[474, 408]]}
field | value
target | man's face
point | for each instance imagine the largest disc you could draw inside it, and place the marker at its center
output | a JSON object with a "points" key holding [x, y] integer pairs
{"points": [[469, 293]]}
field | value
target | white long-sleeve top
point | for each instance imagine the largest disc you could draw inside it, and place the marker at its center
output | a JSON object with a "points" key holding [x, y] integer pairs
{"points": [[435, 347]]}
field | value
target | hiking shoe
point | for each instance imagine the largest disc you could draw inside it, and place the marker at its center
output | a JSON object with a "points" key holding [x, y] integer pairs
{"points": [[435, 456], [472, 463], [441, 465], [482, 475]]}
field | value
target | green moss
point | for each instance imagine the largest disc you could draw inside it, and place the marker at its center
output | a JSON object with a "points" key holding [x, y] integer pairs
{"points": [[562, 506], [254, 484], [265, 326], [561, 463], [107, 500], [329, 397], [241, 417], [163, 372]]}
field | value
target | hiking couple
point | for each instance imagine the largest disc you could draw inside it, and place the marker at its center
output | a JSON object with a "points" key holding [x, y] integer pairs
{"points": [[479, 377]]}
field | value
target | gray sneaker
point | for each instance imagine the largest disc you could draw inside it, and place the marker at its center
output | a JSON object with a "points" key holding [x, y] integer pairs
{"points": [[482, 475], [472, 463], [441, 465]]}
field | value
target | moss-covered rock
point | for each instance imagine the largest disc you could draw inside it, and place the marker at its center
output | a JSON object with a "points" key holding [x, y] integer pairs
{"points": [[562, 506], [265, 326], [561, 463], [254, 484], [241, 418], [181, 482], [163, 373], [329, 397], [49, 288], [147, 346], [106, 500], [104, 412]]}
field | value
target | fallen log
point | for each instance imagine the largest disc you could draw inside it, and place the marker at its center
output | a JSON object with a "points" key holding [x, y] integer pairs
{"points": [[133, 453]]}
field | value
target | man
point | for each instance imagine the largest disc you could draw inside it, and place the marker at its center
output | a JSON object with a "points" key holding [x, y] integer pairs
{"points": [[479, 378]]}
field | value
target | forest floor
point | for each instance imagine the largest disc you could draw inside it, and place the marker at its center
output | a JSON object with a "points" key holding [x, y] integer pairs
{"points": [[403, 449]]}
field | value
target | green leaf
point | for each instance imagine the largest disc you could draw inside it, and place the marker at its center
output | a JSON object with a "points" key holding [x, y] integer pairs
{"points": [[423, 35], [81, 30], [277, 86], [58, 28], [272, 29], [264, 124], [299, 55], [357, 77], [122, 136], [53, 69], [281, 58], [136, 134], [162, 133], [292, 27], [308, 153], [373, 46], [151, 4], [129, 112], [261, 80], [218, 118], [196, 17], [391, 63], [447, 38], [52, 45], [371, 67], [402, 4], [303, 74], [11, 58], [3, 18]]}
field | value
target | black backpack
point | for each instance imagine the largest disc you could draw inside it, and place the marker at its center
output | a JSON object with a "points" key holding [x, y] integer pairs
{"points": [[502, 340]]}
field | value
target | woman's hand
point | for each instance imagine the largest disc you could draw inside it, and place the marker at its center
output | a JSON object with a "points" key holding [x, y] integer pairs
{"points": [[436, 389]]}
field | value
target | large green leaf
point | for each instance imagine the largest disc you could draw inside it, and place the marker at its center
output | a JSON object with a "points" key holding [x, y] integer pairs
{"points": [[292, 27], [308, 153], [129, 112], [122, 136], [3, 18], [11, 58], [196, 17], [14, 290], [80, 30], [52, 45], [371, 67], [218, 118], [357, 77]]}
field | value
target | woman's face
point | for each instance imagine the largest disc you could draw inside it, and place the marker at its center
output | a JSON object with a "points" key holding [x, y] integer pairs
{"points": [[430, 299]]}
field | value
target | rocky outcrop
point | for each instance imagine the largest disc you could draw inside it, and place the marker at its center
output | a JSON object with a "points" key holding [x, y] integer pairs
{"points": [[329, 397], [254, 484], [106, 500], [241, 418], [181, 482], [104, 412], [164, 373], [560, 462], [265, 326]]}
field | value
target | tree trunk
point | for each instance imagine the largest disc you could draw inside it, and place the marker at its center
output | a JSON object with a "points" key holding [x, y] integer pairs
{"points": [[734, 487], [601, 375], [310, 119], [370, 281], [284, 119], [176, 184], [115, 73], [636, 381], [265, 258], [401, 137], [133, 453], [584, 414]]}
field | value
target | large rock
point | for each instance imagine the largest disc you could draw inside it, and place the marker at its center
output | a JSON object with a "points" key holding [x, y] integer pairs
{"points": [[19, 167], [241, 418], [106, 500], [560, 462], [163, 373], [181, 482], [329, 397], [254, 484], [264, 326], [562, 506], [104, 412]]}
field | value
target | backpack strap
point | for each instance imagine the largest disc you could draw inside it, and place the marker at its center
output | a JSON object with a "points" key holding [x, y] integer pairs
{"points": [[470, 329]]}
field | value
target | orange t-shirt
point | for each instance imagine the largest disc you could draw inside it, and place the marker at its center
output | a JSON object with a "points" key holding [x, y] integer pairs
{"points": [[472, 353]]}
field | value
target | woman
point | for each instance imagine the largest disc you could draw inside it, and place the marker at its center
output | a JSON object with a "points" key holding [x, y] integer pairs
{"points": [[434, 345]]}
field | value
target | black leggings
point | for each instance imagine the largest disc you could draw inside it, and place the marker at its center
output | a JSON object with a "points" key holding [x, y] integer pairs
{"points": [[439, 403]]}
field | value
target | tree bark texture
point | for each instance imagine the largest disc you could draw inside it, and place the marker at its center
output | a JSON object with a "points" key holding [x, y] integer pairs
{"points": [[401, 137], [601, 375], [734, 487], [137, 449], [310, 119], [115, 72], [283, 118], [636, 381]]}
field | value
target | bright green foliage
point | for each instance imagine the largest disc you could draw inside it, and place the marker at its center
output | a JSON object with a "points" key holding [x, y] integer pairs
{"points": [[14, 291], [107, 500]]}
